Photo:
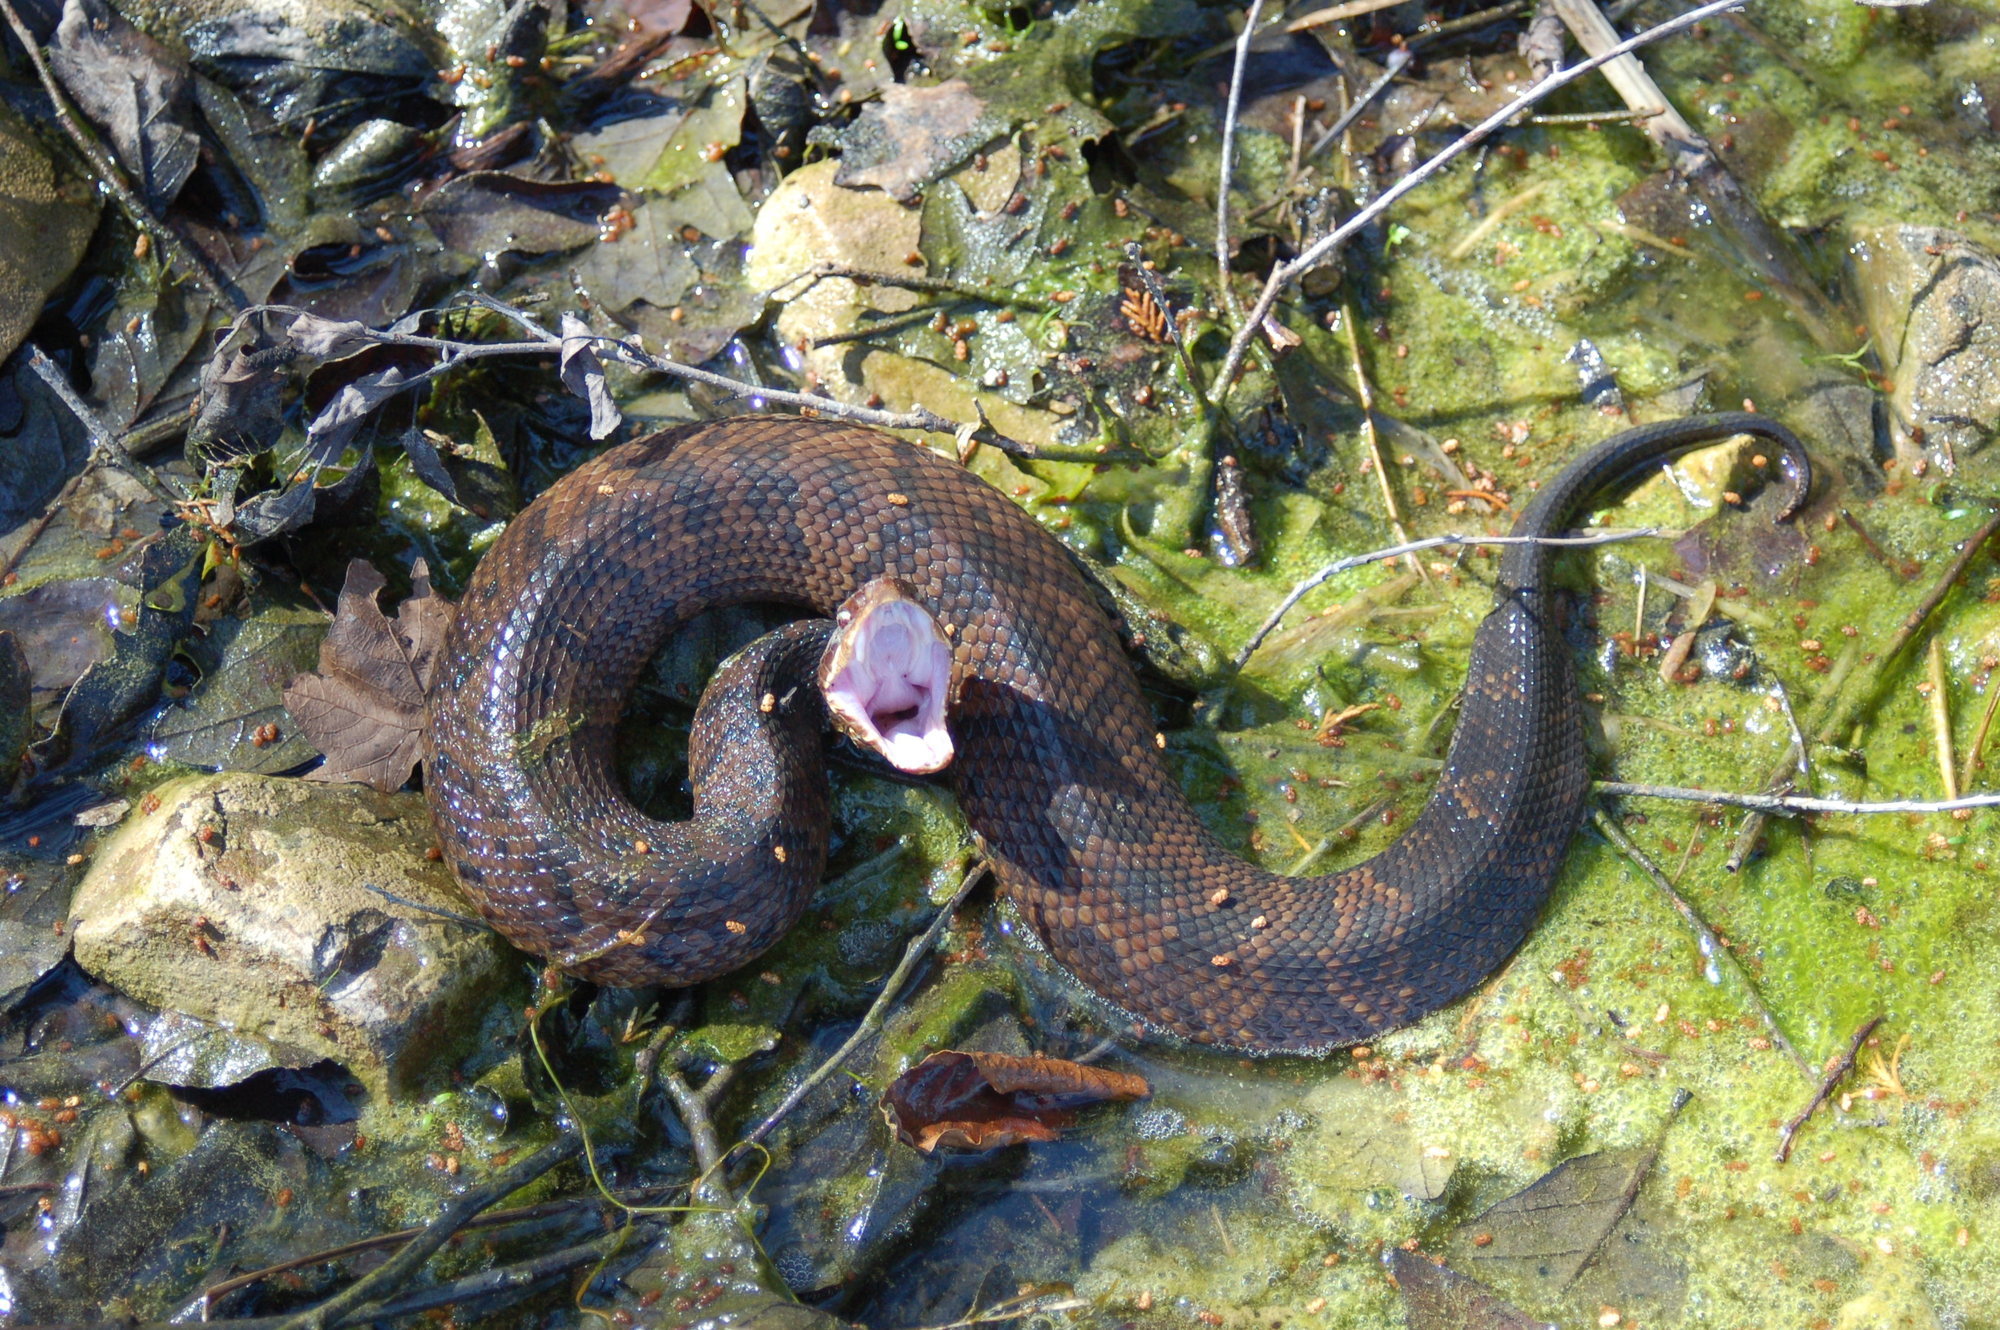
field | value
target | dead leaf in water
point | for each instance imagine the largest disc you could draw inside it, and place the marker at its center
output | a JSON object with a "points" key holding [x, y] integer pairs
{"points": [[983, 1101], [364, 708], [134, 90], [912, 136], [1437, 1297]]}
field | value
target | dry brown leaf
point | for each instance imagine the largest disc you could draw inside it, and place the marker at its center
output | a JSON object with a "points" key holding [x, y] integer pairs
{"points": [[365, 708], [983, 1101]]}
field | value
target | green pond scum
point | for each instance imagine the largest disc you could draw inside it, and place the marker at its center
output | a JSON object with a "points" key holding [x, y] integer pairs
{"points": [[1592, 1136]]}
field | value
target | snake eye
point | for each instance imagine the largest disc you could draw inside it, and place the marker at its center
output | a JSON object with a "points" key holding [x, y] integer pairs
{"points": [[886, 676]]}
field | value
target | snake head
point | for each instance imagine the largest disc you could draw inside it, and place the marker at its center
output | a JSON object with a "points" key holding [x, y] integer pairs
{"points": [[886, 677]]}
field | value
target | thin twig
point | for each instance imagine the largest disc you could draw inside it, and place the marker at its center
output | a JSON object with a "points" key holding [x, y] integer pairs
{"points": [[497, 1219], [1371, 437], [1353, 561], [1835, 1074], [1794, 804], [1940, 707], [888, 324], [1713, 952], [103, 439], [916, 418], [1973, 760], [453, 915], [1398, 60], [693, 1109], [183, 257], [1227, 171], [399, 1268], [1285, 274], [1338, 14], [917, 282], [520, 1279], [877, 1013]]}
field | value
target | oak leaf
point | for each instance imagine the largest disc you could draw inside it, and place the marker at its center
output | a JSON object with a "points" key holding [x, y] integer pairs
{"points": [[365, 707]]}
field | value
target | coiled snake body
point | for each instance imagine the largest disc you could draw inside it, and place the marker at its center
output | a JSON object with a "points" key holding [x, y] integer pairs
{"points": [[1058, 765]]}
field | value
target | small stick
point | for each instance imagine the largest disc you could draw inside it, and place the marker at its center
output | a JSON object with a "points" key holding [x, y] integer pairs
{"points": [[453, 1217], [1227, 170], [1338, 14], [693, 1109], [877, 1012], [1972, 755], [1397, 61], [103, 439], [916, 282], [1371, 438], [1834, 1075], [1592, 117], [1792, 804], [1710, 945], [498, 1218], [191, 265], [1940, 707]]}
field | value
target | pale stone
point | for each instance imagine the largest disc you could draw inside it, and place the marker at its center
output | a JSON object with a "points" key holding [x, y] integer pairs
{"points": [[244, 901]]}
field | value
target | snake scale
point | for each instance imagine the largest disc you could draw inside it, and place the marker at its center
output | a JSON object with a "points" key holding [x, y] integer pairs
{"points": [[1059, 768]]}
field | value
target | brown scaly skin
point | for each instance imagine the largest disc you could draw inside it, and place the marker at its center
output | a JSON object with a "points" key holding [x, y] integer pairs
{"points": [[1058, 767]]}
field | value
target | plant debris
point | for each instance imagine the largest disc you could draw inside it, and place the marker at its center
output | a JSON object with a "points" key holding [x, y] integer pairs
{"points": [[365, 706], [985, 1101]]}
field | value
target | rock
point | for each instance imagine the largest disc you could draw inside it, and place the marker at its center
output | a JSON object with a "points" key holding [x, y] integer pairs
{"points": [[44, 225], [1933, 301], [239, 899]]}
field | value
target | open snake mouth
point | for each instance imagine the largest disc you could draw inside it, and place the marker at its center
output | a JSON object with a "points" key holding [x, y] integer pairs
{"points": [[887, 677]]}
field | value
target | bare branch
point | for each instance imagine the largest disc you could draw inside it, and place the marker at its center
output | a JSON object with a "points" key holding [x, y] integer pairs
{"points": [[1792, 805], [1717, 956], [103, 439], [1834, 1075], [544, 342], [1227, 170]]}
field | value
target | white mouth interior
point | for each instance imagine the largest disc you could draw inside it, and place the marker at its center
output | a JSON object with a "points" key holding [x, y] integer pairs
{"points": [[885, 679]]}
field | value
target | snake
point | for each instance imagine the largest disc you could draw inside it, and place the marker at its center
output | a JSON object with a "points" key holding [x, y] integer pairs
{"points": [[1059, 767]]}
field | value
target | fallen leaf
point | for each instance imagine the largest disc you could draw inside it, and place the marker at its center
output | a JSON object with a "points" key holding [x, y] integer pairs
{"points": [[583, 374], [241, 405], [346, 66], [134, 90], [234, 718], [117, 687], [1547, 1233], [491, 212], [364, 708], [1437, 1297], [983, 1101], [912, 136], [340, 419], [329, 339]]}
